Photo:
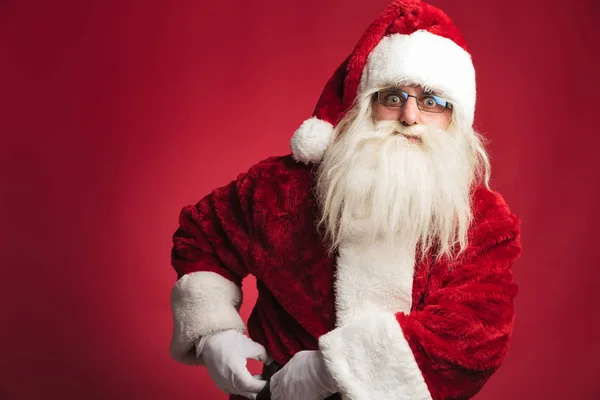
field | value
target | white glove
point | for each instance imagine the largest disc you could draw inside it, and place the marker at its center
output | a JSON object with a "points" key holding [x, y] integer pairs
{"points": [[304, 377], [225, 354]]}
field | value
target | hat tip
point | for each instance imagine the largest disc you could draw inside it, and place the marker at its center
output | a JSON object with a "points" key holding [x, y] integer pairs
{"points": [[310, 141]]}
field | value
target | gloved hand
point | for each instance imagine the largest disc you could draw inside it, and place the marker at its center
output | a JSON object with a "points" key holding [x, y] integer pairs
{"points": [[225, 354], [304, 377]]}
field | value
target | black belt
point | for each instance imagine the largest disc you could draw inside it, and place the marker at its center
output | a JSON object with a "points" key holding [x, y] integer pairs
{"points": [[267, 372]]}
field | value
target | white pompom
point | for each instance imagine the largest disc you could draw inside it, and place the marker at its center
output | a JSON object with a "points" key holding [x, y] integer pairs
{"points": [[310, 140]]}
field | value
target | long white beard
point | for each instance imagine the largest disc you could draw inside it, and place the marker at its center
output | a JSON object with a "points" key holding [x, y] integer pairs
{"points": [[374, 185]]}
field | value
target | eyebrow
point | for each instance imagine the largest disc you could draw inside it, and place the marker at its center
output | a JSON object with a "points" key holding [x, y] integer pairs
{"points": [[437, 94], [432, 92], [425, 92]]}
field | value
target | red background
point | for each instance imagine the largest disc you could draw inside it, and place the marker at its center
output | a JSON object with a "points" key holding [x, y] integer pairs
{"points": [[115, 114]]}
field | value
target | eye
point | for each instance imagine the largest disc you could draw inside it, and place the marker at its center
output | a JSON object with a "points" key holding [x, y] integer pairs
{"points": [[430, 102], [433, 103], [392, 99]]}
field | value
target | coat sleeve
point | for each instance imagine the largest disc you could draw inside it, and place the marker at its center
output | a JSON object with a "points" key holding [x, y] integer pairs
{"points": [[209, 255], [448, 346]]}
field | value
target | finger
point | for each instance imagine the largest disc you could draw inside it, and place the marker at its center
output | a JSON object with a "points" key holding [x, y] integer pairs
{"points": [[248, 383], [249, 395], [258, 376], [256, 351]]}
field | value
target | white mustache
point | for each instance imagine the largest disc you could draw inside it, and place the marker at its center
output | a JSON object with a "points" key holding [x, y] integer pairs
{"points": [[393, 127], [394, 130]]}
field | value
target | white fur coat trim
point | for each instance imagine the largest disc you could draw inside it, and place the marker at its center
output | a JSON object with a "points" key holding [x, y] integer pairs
{"points": [[202, 303], [372, 277], [370, 359], [367, 353]]}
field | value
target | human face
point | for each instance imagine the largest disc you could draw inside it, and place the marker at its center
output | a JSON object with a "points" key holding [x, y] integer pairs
{"points": [[384, 181], [410, 114]]}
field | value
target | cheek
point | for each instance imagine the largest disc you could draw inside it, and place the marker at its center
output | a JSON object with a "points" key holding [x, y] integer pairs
{"points": [[440, 121], [382, 113]]}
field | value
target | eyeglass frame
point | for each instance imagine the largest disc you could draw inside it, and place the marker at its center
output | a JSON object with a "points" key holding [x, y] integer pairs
{"points": [[448, 105]]}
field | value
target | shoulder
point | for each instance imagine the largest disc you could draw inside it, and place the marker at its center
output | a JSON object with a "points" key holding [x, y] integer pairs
{"points": [[278, 166], [277, 177], [493, 221], [489, 204], [277, 172]]}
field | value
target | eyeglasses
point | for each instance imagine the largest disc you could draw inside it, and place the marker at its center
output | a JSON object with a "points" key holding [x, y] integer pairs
{"points": [[394, 97]]}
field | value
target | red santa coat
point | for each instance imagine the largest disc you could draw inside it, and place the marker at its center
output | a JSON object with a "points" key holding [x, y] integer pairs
{"points": [[388, 329]]}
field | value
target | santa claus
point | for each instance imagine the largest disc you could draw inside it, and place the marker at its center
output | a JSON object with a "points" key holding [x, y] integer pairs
{"points": [[381, 255]]}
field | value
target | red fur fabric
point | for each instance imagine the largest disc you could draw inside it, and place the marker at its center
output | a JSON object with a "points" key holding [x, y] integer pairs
{"points": [[461, 321], [263, 223]]}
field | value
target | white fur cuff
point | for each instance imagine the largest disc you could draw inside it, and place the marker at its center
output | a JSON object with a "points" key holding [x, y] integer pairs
{"points": [[202, 303], [370, 359]]}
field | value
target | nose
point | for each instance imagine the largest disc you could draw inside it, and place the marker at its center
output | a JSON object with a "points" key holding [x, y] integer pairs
{"points": [[410, 112]]}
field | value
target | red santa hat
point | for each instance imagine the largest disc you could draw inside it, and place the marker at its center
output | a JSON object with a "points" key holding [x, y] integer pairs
{"points": [[411, 42]]}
